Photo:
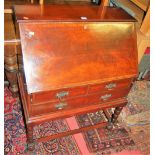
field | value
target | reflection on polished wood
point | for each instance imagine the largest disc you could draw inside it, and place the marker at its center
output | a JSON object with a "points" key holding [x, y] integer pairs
{"points": [[77, 59], [69, 13]]}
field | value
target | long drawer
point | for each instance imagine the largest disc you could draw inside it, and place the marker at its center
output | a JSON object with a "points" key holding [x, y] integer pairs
{"points": [[78, 102]]}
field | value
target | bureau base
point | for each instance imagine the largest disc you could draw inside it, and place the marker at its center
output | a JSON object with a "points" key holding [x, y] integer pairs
{"points": [[31, 121]]}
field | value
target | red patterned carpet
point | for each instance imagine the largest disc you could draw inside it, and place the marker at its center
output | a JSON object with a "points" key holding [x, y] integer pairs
{"points": [[119, 141]]}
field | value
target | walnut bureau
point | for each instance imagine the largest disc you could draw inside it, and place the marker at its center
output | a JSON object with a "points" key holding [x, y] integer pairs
{"points": [[77, 59]]}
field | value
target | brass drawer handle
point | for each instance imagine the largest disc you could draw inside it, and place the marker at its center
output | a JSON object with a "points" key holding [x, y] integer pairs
{"points": [[62, 94], [110, 86], [106, 96], [61, 105]]}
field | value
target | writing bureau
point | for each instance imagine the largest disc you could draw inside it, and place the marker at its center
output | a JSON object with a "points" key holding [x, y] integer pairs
{"points": [[77, 59]]}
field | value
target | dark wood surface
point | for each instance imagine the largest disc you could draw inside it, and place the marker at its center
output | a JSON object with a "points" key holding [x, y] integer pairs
{"points": [[9, 32], [51, 96], [73, 66], [78, 102], [8, 4], [10, 54], [59, 55], [58, 114], [70, 13]]}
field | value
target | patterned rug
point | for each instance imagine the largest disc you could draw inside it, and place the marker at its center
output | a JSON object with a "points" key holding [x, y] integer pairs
{"points": [[136, 115], [97, 142]]}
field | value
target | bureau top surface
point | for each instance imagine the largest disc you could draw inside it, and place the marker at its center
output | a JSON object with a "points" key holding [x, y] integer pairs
{"points": [[68, 54], [67, 12]]}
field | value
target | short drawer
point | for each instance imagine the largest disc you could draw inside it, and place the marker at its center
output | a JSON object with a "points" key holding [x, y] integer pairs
{"points": [[108, 86], [107, 96], [56, 95]]}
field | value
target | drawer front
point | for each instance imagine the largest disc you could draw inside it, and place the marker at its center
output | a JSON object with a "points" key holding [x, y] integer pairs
{"points": [[108, 86], [40, 109], [77, 102], [107, 96], [56, 95]]}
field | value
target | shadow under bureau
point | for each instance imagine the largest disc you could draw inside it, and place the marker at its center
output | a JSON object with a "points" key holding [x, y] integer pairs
{"points": [[77, 59]]}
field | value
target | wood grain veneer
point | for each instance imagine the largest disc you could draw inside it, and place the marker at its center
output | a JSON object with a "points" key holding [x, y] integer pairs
{"points": [[77, 59]]}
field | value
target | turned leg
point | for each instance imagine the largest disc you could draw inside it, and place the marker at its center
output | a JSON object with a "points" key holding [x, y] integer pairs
{"points": [[12, 78], [30, 140], [11, 67], [107, 115], [116, 113]]}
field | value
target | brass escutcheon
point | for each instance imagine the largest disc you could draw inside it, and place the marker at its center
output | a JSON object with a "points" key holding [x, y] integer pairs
{"points": [[106, 96], [61, 105], [62, 94], [110, 86]]}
